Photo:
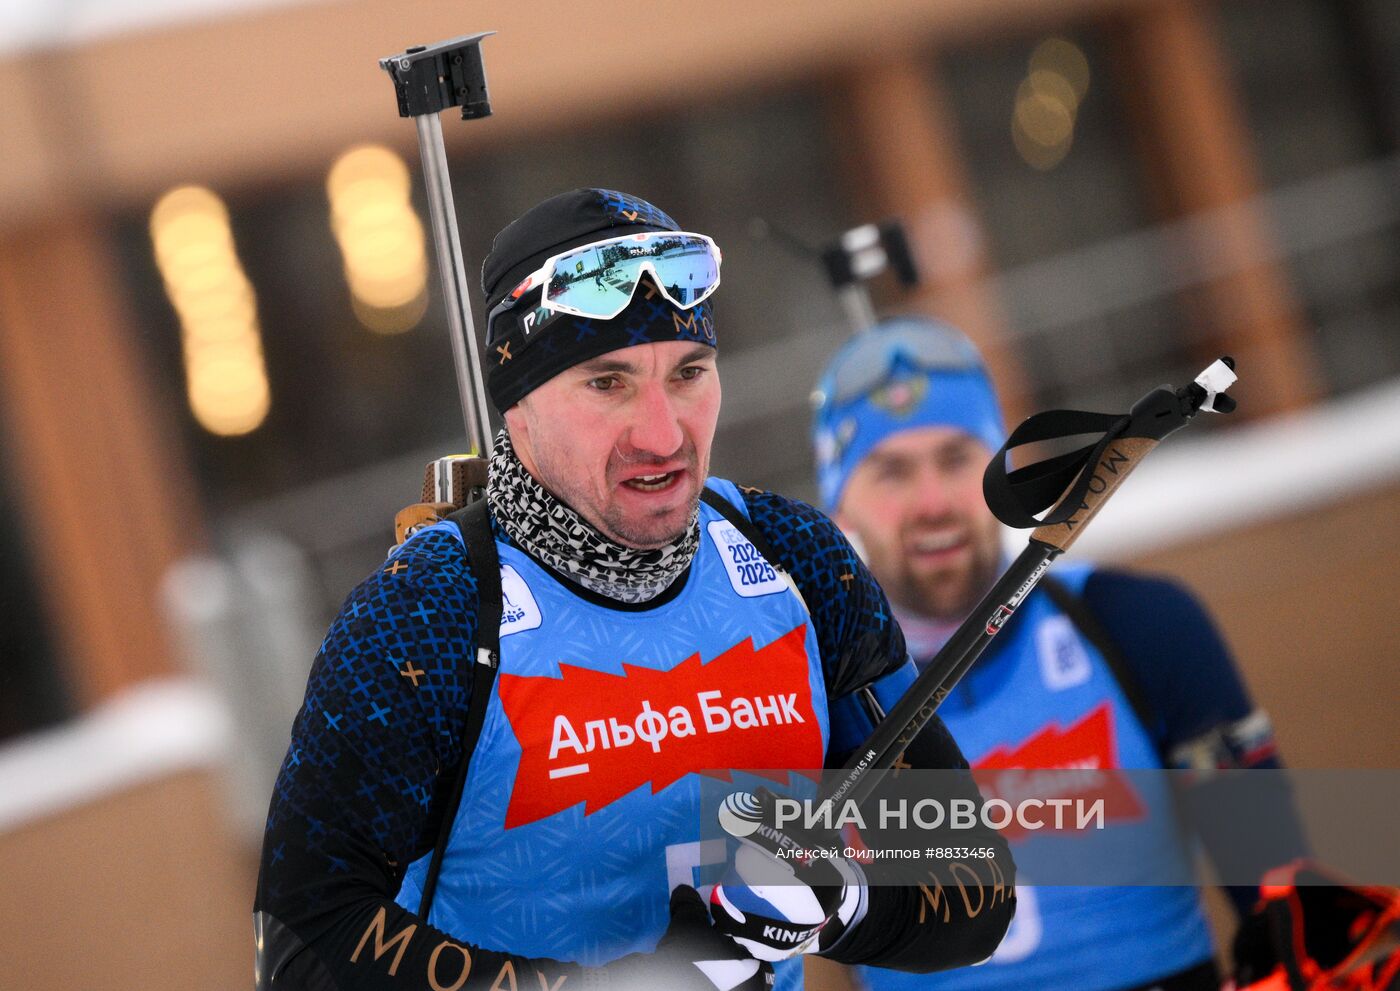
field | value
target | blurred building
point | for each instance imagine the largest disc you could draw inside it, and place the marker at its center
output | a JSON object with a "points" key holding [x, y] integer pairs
{"points": [[223, 358]]}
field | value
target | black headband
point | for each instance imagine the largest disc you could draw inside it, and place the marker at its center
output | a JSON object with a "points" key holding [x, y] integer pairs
{"points": [[520, 358]]}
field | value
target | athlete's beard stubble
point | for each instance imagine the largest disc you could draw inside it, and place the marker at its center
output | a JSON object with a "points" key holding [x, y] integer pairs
{"points": [[944, 594], [609, 519], [636, 533]]}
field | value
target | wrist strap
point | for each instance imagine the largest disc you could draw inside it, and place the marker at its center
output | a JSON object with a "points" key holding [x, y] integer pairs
{"points": [[1015, 497]]}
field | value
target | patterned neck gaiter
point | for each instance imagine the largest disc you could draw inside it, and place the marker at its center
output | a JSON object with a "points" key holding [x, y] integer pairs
{"points": [[548, 529]]}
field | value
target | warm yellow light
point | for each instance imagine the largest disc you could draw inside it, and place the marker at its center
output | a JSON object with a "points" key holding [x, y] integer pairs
{"points": [[1052, 86], [1043, 118], [180, 263], [200, 235], [229, 395], [1047, 103], [388, 318], [1042, 128], [1065, 59], [380, 237], [393, 247], [211, 360], [218, 279], [225, 376], [371, 164], [388, 293], [365, 216], [221, 337], [1035, 154], [227, 302], [187, 201]]}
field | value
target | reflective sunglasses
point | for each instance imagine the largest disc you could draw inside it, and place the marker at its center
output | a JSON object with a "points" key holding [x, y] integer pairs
{"points": [[598, 279], [872, 360]]}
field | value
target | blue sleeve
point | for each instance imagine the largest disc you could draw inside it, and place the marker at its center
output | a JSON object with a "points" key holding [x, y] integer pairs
{"points": [[851, 721], [358, 796], [385, 705]]}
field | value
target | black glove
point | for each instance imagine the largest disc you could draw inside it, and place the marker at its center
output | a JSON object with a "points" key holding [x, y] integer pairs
{"points": [[691, 956]]}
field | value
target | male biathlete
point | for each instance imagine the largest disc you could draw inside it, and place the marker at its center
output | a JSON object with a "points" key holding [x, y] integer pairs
{"points": [[644, 622], [1098, 668]]}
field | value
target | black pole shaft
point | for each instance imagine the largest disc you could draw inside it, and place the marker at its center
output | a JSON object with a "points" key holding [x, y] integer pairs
{"points": [[918, 705]]}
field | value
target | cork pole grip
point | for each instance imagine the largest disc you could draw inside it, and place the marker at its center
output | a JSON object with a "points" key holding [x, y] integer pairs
{"points": [[1116, 463]]}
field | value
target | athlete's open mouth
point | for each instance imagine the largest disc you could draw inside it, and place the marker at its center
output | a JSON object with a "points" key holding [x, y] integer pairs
{"points": [[933, 543], [937, 547], [652, 483]]}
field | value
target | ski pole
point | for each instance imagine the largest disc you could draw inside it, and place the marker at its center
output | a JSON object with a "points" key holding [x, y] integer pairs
{"points": [[427, 80], [1098, 476]]}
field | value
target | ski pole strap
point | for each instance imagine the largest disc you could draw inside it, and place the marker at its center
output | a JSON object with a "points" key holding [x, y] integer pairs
{"points": [[1015, 497], [1088, 476], [474, 523]]}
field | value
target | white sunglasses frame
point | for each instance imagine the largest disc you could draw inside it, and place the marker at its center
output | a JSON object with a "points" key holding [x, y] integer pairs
{"points": [[540, 277]]}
